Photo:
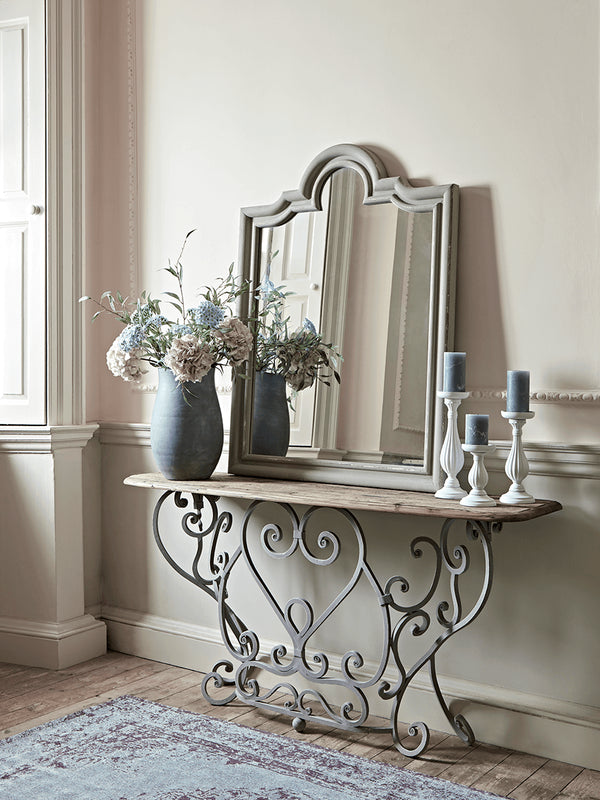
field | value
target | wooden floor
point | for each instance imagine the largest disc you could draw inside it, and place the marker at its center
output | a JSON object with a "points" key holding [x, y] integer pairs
{"points": [[30, 696]]}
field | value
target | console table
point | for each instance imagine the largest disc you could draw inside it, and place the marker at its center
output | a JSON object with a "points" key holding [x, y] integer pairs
{"points": [[449, 560]]}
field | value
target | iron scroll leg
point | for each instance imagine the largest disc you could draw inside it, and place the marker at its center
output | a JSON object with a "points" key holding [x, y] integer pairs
{"points": [[453, 561], [459, 724], [204, 535]]}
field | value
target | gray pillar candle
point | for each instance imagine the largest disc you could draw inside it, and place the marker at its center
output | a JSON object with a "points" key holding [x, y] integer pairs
{"points": [[517, 390], [476, 428], [455, 368]]}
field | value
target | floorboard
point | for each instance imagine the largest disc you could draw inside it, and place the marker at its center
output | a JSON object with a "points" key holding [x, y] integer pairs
{"points": [[30, 697]]}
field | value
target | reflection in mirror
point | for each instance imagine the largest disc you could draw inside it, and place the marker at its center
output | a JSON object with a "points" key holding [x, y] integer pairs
{"points": [[362, 275]]}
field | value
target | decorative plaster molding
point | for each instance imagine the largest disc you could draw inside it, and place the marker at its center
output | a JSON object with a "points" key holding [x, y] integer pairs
{"points": [[44, 439], [152, 388], [65, 209], [132, 167], [562, 396]]}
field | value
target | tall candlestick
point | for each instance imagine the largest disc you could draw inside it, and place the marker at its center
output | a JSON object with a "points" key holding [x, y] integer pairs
{"points": [[455, 370], [452, 457], [517, 390], [476, 428]]}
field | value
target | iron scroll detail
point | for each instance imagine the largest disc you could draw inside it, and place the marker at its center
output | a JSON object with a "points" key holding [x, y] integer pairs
{"points": [[430, 609]]}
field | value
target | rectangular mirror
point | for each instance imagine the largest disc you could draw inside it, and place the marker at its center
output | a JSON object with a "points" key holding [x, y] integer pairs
{"points": [[351, 274]]}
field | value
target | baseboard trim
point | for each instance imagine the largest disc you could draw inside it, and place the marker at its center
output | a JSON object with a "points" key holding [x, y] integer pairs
{"points": [[530, 723], [51, 645]]}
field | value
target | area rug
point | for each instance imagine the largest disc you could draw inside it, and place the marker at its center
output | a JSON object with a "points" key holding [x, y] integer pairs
{"points": [[132, 749]]}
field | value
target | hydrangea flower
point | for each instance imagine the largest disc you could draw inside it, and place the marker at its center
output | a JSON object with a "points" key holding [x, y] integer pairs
{"points": [[180, 330], [207, 313], [156, 320], [309, 326], [125, 364], [237, 340], [302, 370], [130, 338], [189, 359]]}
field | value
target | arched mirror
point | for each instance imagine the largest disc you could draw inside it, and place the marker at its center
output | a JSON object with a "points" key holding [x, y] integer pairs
{"points": [[351, 290]]}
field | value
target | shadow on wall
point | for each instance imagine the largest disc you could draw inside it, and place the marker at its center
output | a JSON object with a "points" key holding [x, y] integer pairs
{"points": [[544, 606], [479, 328]]}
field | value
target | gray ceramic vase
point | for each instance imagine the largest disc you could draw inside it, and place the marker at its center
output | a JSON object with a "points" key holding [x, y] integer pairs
{"points": [[270, 415], [186, 432]]}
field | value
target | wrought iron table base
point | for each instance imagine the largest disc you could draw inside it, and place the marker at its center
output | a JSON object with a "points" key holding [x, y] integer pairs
{"points": [[283, 662]]}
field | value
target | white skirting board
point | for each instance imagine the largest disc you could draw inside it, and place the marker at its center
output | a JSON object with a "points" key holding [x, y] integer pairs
{"points": [[521, 721], [51, 645]]}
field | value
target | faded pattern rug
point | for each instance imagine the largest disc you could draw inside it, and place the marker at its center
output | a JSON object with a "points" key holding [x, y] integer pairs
{"points": [[132, 749]]}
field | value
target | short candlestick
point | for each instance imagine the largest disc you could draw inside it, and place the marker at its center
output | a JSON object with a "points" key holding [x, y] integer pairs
{"points": [[478, 476], [517, 468], [451, 455]]}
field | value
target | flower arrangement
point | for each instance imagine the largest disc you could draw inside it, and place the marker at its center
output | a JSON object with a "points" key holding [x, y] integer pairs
{"points": [[200, 338], [301, 355]]}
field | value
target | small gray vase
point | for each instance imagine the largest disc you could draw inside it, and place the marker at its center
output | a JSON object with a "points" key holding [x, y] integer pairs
{"points": [[270, 415], [186, 432]]}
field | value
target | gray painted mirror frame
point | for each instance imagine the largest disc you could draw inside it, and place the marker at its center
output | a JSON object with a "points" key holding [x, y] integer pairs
{"points": [[379, 188]]}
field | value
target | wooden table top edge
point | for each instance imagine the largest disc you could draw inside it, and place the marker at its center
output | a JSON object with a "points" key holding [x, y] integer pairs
{"points": [[362, 498]]}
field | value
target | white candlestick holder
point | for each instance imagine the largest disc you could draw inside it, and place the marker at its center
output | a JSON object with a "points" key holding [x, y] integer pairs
{"points": [[517, 468], [478, 476], [451, 455]]}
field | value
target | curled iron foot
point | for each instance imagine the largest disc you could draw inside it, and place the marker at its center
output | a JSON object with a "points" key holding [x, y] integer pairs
{"points": [[416, 729], [214, 680], [462, 729], [298, 724]]}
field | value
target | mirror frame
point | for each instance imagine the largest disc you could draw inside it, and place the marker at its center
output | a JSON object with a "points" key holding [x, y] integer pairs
{"points": [[379, 188]]}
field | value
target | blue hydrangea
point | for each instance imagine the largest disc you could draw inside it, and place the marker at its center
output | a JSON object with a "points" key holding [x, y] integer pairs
{"points": [[308, 326], [131, 337], [266, 287], [180, 330], [207, 313], [157, 320]]}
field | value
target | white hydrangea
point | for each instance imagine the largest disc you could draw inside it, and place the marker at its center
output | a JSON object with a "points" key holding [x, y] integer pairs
{"points": [[188, 359], [301, 371], [237, 340], [126, 365]]}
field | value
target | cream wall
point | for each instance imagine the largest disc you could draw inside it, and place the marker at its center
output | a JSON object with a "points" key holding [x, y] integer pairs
{"points": [[232, 100]]}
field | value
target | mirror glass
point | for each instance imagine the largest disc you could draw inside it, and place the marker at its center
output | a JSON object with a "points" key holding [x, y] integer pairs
{"points": [[362, 275], [363, 261]]}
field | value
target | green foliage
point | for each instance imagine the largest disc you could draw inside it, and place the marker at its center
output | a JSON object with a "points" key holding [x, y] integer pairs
{"points": [[301, 355], [151, 330]]}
